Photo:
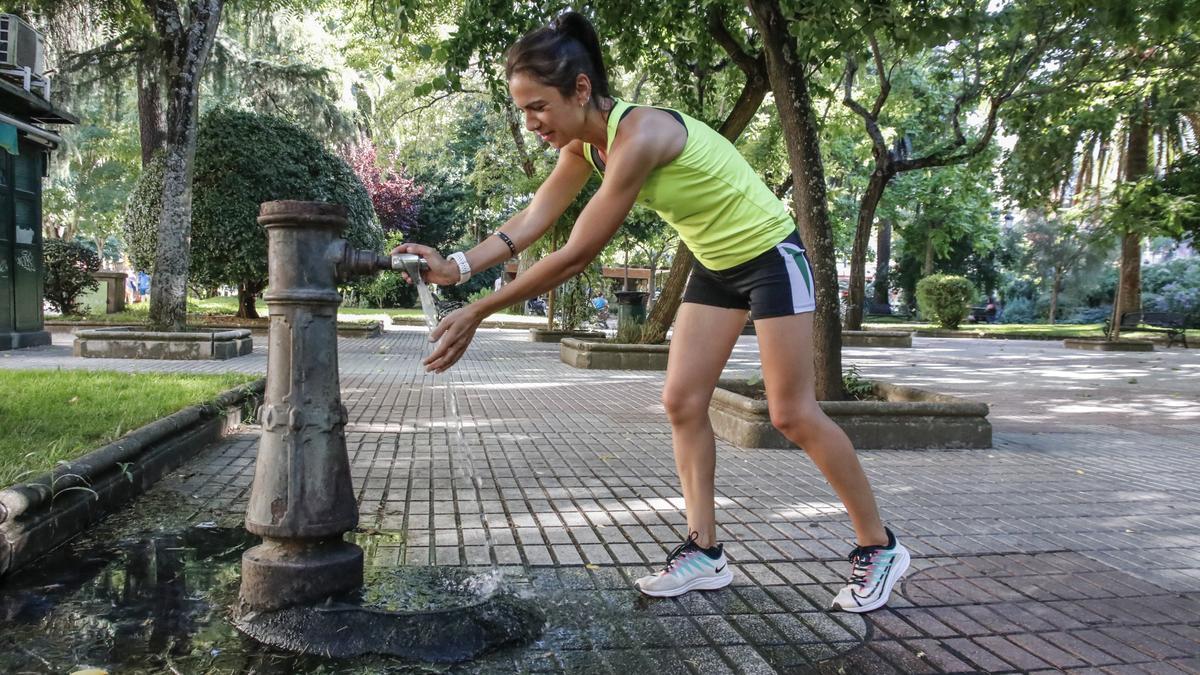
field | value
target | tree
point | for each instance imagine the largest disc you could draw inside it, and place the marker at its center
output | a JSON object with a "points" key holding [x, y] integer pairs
{"points": [[1058, 241], [396, 197], [1132, 100], [87, 192], [976, 62], [243, 160]]}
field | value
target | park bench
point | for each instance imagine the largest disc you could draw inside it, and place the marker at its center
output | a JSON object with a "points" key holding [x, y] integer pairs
{"points": [[1171, 323]]}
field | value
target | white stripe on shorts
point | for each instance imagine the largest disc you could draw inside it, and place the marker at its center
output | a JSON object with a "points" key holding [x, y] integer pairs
{"points": [[803, 297]]}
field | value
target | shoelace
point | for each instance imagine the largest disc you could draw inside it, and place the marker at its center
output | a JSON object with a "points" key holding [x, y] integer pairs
{"points": [[678, 550], [860, 565]]}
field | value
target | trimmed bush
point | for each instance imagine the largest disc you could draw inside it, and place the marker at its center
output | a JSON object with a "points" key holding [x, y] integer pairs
{"points": [[242, 160], [944, 299], [69, 267]]}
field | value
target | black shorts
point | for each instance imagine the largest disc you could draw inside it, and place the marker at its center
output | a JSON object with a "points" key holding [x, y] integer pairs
{"points": [[777, 283]]}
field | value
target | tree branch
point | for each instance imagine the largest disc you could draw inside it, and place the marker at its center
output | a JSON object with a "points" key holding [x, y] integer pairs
{"points": [[747, 63], [885, 80], [870, 119]]}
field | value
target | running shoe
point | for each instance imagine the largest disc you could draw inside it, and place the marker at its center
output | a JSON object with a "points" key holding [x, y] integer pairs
{"points": [[689, 568], [874, 571]]}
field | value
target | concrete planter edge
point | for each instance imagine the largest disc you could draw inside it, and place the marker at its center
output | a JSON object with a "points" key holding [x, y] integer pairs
{"points": [[603, 355], [911, 419]]}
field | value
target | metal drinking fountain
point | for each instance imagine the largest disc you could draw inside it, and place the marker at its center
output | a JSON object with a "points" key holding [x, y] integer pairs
{"points": [[302, 502], [300, 586]]}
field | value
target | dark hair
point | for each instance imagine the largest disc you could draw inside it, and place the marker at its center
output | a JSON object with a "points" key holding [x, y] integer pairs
{"points": [[556, 54]]}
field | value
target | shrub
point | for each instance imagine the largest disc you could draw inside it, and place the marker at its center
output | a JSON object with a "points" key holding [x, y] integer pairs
{"points": [[387, 289], [1089, 315], [242, 160], [69, 265], [1020, 310], [944, 299]]}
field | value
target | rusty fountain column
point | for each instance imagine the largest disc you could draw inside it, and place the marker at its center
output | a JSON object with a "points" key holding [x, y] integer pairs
{"points": [[302, 502], [301, 586]]}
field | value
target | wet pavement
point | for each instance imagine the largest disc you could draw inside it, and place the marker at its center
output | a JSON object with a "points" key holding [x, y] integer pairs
{"points": [[1072, 545]]}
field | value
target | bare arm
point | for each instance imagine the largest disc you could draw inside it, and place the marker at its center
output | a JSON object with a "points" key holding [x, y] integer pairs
{"points": [[525, 227], [636, 151]]}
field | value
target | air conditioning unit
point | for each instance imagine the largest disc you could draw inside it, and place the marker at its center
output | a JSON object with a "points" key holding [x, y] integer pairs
{"points": [[21, 46]]}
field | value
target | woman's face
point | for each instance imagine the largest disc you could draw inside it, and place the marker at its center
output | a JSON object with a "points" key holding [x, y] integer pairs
{"points": [[553, 117]]}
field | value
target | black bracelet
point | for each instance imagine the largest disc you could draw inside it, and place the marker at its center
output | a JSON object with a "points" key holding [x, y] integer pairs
{"points": [[509, 242]]}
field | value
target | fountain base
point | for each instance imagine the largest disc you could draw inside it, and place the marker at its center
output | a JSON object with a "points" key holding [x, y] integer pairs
{"points": [[425, 614]]}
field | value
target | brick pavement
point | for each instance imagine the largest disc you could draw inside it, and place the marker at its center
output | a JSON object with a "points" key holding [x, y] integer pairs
{"points": [[1072, 545]]}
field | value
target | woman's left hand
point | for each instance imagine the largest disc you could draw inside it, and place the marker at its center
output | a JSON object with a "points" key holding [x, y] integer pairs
{"points": [[453, 335]]}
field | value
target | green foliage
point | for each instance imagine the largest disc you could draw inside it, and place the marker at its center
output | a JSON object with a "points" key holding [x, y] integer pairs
{"points": [[855, 386], [1168, 205], [386, 289], [1173, 286], [944, 299], [68, 266], [88, 189], [140, 222], [1020, 310], [242, 160]]}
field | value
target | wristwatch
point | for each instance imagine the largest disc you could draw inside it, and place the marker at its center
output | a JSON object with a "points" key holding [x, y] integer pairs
{"points": [[464, 268]]}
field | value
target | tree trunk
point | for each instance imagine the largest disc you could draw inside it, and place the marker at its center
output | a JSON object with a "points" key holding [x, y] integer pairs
{"points": [[883, 261], [927, 268], [247, 294], [1137, 165], [1054, 294], [151, 131], [858, 256], [789, 84], [186, 50], [526, 259]]}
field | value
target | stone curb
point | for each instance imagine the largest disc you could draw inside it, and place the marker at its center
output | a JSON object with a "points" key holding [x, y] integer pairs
{"points": [[969, 333], [40, 514], [131, 342], [1102, 345], [877, 338], [910, 419], [544, 335], [603, 355], [262, 327], [401, 320]]}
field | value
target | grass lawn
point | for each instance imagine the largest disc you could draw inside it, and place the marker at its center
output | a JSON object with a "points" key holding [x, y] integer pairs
{"points": [[218, 306], [1034, 330], [47, 416]]}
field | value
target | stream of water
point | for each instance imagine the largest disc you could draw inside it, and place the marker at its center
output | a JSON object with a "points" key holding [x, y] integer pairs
{"points": [[459, 448]]}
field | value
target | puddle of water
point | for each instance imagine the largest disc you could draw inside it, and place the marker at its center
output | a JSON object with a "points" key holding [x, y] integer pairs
{"points": [[129, 599]]}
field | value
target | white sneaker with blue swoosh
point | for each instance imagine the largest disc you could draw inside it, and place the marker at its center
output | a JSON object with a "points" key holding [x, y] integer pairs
{"points": [[874, 571], [689, 568]]}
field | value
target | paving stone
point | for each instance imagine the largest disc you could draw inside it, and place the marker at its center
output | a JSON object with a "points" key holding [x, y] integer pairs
{"points": [[1069, 545]]}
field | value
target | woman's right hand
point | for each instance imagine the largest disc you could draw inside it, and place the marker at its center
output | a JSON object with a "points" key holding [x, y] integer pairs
{"points": [[441, 271]]}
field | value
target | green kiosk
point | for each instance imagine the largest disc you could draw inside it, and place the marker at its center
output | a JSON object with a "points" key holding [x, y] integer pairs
{"points": [[24, 159]]}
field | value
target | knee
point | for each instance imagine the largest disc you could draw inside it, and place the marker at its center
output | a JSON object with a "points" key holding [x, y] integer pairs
{"points": [[684, 407], [799, 422]]}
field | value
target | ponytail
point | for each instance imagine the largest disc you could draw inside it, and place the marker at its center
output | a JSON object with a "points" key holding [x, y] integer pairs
{"points": [[555, 55]]}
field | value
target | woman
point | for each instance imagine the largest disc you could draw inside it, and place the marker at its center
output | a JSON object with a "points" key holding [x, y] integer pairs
{"points": [[749, 258]]}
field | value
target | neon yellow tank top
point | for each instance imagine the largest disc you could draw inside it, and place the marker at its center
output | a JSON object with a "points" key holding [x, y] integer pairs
{"points": [[722, 210]]}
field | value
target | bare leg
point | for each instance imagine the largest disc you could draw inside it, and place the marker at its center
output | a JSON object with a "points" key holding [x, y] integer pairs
{"points": [[703, 339], [785, 344]]}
